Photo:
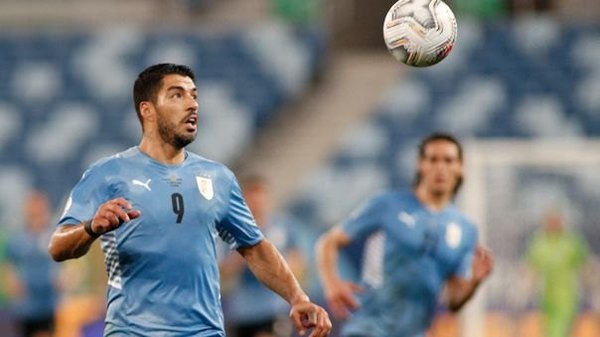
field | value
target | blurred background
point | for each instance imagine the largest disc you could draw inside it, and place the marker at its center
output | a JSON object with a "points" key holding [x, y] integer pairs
{"points": [[304, 92]]}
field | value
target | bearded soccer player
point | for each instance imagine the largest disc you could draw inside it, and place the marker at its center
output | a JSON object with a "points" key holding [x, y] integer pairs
{"points": [[158, 210], [418, 244]]}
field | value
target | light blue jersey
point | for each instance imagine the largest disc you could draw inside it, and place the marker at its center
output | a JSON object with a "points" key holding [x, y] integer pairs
{"points": [[162, 267], [409, 255]]}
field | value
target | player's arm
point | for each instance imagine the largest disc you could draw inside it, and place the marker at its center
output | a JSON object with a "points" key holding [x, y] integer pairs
{"points": [[73, 241], [338, 293], [269, 266], [460, 290]]}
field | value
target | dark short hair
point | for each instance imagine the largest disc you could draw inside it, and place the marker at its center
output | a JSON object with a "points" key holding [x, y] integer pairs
{"points": [[149, 81], [440, 136], [437, 136]]}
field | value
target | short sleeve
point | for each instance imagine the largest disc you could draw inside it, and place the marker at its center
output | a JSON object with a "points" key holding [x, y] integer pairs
{"points": [[238, 227], [365, 219], [464, 266], [85, 198], [463, 269]]}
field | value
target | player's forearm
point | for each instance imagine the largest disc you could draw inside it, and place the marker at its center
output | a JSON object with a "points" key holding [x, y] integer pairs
{"points": [[267, 264], [460, 293], [69, 242]]}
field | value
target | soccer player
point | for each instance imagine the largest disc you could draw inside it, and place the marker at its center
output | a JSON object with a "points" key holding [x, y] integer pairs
{"points": [[158, 210], [31, 277], [417, 244], [557, 255]]}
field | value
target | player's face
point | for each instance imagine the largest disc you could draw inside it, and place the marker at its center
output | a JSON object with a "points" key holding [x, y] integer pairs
{"points": [[440, 167], [177, 111]]}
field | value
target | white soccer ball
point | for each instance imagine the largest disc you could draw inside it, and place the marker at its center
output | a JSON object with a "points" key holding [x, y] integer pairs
{"points": [[419, 33]]}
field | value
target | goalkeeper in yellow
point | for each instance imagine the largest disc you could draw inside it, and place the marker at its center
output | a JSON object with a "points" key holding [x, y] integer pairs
{"points": [[557, 255]]}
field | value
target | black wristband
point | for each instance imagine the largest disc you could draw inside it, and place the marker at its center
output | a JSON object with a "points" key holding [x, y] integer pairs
{"points": [[88, 229]]}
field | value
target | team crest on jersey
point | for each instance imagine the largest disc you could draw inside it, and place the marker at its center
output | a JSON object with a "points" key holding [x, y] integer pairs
{"points": [[453, 235], [205, 186]]}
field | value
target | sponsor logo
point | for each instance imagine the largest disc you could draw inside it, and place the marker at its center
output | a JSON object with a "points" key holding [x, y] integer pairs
{"points": [[407, 219], [145, 185]]}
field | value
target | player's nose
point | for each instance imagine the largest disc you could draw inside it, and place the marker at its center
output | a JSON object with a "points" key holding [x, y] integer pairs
{"points": [[192, 104]]}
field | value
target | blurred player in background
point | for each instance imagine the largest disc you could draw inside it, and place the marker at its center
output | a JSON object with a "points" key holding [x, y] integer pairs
{"points": [[158, 210], [557, 256], [31, 277], [418, 245], [246, 291]]}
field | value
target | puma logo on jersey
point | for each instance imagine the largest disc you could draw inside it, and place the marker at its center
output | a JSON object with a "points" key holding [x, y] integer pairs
{"points": [[408, 219], [146, 185]]}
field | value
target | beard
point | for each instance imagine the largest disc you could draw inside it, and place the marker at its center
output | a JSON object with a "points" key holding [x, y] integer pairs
{"points": [[168, 133]]}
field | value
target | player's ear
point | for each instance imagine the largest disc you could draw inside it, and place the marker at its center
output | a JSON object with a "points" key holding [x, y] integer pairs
{"points": [[147, 110]]}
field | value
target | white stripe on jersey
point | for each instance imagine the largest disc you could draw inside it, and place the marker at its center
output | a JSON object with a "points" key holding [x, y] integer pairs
{"points": [[111, 259], [372, 270]]}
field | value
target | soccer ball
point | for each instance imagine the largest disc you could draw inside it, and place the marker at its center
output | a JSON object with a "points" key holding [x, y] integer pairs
{"points": [[419, 33]]}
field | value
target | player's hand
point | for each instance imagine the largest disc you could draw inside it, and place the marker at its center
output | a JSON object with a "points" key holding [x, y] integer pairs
{"points": [[483, 263], [307, 315], [340, 297], [113, 214]]}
